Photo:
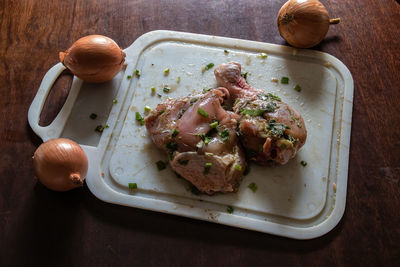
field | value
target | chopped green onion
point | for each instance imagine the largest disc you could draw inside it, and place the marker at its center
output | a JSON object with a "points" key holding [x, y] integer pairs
{"points": [[253, 187], [230, 209], [93, 116], [209, 66], [153, 90], [115, 101], [214, 124], [159, 95], [100, 128], [238, 167], [161, 165], [161, 112], [166, 71], [129, 77], [166, 89], [236, 101], [263, 55], [193, 100], [252, 112], [172, 146], [207, 167], [137, 73], [297, 88], [207, 140], [178, 80], [202, 112], [139, 118], [175, 132], [284, 80], [132, 185], [147, 109], [205, 90], [226, 51], [224, 135], [303, 163]]}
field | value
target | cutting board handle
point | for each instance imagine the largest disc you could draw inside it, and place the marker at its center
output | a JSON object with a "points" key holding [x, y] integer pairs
{"points": [[56, 127]]}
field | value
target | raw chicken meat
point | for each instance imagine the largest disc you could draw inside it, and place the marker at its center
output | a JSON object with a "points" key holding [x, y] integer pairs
{"points": [[200, 139], [269, 129]]}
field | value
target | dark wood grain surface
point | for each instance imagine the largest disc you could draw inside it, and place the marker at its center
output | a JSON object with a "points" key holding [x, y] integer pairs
{"points": [[43, 228]]}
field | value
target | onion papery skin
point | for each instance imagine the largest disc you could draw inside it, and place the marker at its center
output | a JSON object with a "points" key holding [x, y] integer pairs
{"points": [[94, 58], [60, 164], [303, 23]]}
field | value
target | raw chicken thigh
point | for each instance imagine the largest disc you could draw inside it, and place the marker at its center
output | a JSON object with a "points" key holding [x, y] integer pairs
{"points": [[269, 129], [200, 139]]}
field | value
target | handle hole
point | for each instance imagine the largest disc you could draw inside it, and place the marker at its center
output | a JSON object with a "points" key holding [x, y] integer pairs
{"points": [[56, 98]]}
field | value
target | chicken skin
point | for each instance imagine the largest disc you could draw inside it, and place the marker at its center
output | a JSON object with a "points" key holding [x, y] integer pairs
{"points": [[269, 129], [199, 136]]}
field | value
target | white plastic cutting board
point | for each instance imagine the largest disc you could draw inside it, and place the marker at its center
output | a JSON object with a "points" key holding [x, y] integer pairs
{"points": [[291, 200]]}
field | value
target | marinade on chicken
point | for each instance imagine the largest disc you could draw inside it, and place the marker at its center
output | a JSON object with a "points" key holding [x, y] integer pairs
{"points": [[269, 129], [200, 138]]}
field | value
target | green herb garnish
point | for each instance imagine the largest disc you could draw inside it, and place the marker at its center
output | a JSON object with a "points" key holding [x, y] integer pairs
{"points": [[303, 163], [178, 80], [137, 73], [269, 96], [193, 100], [100, 128], [224, 135], [230, 209], [297, 88], [207, 140], [129, 77], [166, 89], [207, 167], [263, 55], [276, 129], [171, 146], [214, 124], [209, 66], [252, 112], [115, 101], [205, 90], [147, 108], [253, 187], [153, 90], [161, 165], [161, 112], [175, 132], [93, 116], [238, 167], [202, 112], [284, 80], [132, 185], [139, 118], [166, 71], [181, 112], [226, 51]]}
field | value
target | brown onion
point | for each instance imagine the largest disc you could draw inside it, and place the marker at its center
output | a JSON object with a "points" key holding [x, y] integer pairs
{"points": [[94, 58], [304, 23], [60, 164]]}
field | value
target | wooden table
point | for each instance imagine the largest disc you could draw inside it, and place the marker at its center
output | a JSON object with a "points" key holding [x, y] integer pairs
{"points": [[43, 228]]}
